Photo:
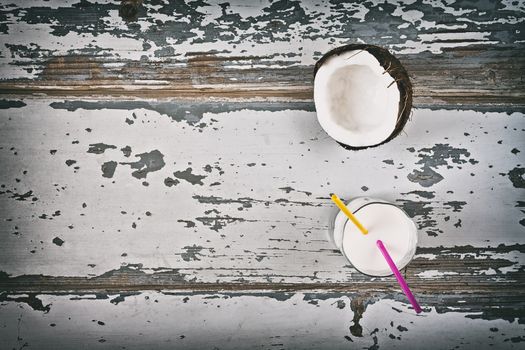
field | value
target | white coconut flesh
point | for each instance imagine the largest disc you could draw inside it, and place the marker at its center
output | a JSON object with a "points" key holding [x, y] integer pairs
{"points": [[356, 103]]}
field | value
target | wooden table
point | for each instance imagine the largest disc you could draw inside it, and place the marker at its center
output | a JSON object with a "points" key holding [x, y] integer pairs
{"points": [[165, 183]]}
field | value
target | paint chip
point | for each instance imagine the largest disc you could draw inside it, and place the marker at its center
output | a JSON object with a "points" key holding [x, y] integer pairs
{"points": [[58, 241]]}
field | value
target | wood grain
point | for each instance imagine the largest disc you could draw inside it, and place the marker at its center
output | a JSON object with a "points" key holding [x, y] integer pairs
{"points": [[457, 55], [474, 77]]}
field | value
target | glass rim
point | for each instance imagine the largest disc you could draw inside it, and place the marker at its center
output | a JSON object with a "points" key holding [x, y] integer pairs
{"points": [[373, 201]]}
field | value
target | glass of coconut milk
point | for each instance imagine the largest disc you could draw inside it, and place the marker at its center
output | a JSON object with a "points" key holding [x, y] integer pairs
{"points": [[384, 221]]}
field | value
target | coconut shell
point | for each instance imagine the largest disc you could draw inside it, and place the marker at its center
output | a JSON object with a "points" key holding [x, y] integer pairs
{"points": [[396, 70]]}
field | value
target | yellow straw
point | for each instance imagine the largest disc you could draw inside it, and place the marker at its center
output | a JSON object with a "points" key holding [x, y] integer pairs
{"points": [[347, 212]]}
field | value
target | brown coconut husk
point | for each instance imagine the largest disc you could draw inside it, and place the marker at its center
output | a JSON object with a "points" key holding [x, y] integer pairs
{"points": [[393, 67]]}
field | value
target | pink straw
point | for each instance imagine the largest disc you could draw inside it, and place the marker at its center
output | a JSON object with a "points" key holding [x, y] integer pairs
{"points": [[400, 279]]}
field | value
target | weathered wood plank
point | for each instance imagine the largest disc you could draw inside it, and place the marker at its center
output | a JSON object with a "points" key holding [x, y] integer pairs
{"points": [[262, 320], [457, 54], [497, 272], [167, 194]]}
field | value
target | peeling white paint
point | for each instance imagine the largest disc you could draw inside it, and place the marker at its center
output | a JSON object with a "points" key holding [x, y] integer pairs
{"points": [[513, 5], [435, 274], [426, 256], [489, 271], [428, 42], [165, 321], [326, 37], [280, 139]]}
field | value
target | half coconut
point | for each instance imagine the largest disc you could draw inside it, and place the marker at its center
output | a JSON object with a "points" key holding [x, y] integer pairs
{"points": [[362, 94]]}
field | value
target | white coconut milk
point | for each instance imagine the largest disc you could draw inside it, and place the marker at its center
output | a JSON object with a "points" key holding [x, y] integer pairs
{"points": [[384, 222]]}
